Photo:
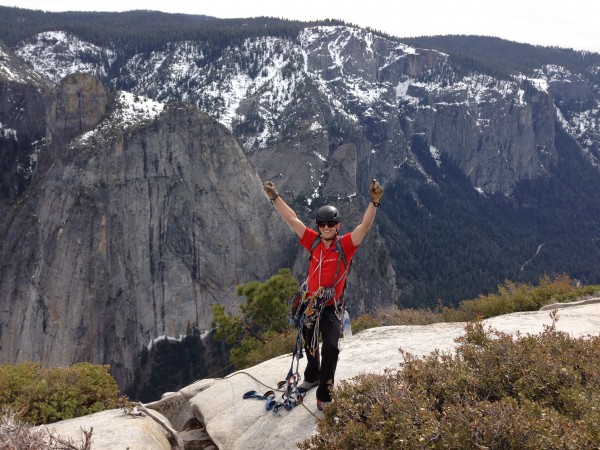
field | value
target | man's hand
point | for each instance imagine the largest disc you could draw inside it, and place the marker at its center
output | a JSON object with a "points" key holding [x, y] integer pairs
{"points": [[269, 188], [376, 191]]}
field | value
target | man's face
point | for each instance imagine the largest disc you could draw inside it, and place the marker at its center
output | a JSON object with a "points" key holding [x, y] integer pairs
{"points": [[329, 229]]}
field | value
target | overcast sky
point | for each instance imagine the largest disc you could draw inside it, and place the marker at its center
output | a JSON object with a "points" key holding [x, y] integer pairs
{"points": [[570, 24]]}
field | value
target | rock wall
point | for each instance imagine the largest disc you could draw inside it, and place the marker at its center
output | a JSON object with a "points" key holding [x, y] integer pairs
{"points": [[130, 235], [78, 106]]}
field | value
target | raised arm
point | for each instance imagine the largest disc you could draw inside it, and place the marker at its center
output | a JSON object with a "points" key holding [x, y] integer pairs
{"points": [[376, 191], [287, 213]]}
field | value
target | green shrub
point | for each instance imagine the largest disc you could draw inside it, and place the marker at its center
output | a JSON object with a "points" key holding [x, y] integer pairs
{"points": [[408, 316], [41, 395], [264, 316], [513, 297], [494, 392], [365, 321]]}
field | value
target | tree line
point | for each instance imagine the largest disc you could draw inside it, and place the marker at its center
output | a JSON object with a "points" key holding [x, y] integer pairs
{"points": [[502, 58], [134, 32], [143, 31]]}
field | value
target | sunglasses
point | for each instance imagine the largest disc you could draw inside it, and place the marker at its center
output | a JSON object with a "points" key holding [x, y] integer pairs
{"points": [[329, 223]]}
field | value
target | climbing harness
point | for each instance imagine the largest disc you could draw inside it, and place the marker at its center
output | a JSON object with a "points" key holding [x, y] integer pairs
{"points": [[312, 307]]}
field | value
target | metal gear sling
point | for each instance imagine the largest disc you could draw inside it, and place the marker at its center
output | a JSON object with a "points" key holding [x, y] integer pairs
{"points": [[307, 311]]}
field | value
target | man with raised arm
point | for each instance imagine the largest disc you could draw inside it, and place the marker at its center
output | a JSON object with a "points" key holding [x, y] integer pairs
{"points": [[331, 255]]}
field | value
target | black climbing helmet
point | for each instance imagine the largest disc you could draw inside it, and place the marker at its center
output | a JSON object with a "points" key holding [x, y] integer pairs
{"points": [[328, 213]]}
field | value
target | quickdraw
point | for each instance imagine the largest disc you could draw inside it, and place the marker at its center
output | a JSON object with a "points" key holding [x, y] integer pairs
{"points": [[291, 395], [269, 396]]}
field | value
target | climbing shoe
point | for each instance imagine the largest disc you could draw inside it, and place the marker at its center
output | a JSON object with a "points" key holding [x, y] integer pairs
{"points": [[322, 405]]}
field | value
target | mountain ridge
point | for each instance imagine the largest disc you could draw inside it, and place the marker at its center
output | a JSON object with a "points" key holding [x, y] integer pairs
{"points": [[256, 92]]}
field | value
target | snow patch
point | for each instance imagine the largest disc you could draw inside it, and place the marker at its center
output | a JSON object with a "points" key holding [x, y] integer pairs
{"points": [[57, 54], [321, 157], [132, 110], [8, 133], [315, 126], [435, 153]]}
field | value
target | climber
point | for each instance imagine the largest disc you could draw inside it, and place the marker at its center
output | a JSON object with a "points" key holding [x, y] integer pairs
{"points": [[324, 284]]}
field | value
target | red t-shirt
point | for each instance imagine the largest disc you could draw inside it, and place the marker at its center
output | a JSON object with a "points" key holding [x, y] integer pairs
{"points": [[323, 263]]}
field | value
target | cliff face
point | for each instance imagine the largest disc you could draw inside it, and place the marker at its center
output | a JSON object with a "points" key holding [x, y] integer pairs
{"points": [[24, 97], [497, 132], [132, 231], [78, 107], [497, 140]]}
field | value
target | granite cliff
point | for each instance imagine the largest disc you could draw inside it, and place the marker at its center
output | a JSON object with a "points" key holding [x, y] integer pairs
{"points": [[139, 217], [224, 419]]}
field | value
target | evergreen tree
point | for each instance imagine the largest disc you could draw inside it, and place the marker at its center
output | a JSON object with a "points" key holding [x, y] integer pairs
{"points": [[265, 312]]}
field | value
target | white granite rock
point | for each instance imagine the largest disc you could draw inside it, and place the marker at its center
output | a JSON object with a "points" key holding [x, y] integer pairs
{"points": [[237, 424], [114, 430], [175, 406]]}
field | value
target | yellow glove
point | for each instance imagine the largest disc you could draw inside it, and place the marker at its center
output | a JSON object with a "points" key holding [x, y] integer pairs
{"points": [[376, 191], [269, 188]]}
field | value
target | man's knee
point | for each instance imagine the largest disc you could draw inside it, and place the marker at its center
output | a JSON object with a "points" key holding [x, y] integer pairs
{"points": [[330, 348]]}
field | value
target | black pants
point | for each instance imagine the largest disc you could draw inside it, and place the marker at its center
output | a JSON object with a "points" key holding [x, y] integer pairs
{"points": [[323, 369]]}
